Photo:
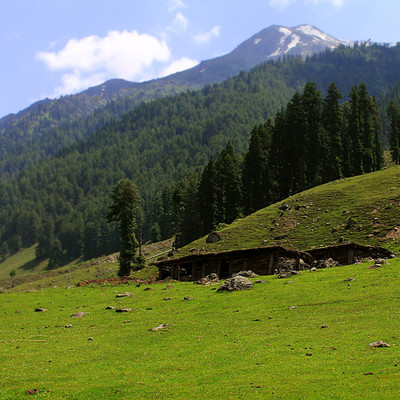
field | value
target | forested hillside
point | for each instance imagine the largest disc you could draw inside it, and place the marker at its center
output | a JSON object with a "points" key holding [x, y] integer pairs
{"points": [[61, 202]]}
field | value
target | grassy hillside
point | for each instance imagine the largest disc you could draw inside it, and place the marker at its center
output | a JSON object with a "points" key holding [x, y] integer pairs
{"points": [[304, 338], [32, 275], [364, 209]]}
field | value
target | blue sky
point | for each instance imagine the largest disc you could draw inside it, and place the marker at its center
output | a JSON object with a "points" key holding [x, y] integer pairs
{"points": [[57, 47]]}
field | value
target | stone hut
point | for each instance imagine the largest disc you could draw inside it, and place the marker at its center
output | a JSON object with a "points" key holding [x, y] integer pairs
{"points": [[261, 260], [348, 253]]}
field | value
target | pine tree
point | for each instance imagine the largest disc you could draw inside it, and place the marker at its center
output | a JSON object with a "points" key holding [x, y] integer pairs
{"points": [[311, 101], [229, 185], [332, 123], [125, 201], [367, 128], [393, 114], [207, 198], [354, 132], [257, 186]]}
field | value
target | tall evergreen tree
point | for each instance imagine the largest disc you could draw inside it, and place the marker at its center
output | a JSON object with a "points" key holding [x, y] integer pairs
{"points": [[257, 185], [354, 132], [393, 114], [313, 140], [229, 185], [125, 201], [207, 198], [332, 123]]}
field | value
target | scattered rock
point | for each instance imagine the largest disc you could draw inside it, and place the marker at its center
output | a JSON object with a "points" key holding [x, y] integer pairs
{"points": [[213, 237], [123, 310], [39, 309], [308, 354], [381, 261], [32, 391], [349, 280], [126, 294], [247, 274], [68, 326], [168, 298], [380, 343], [369, 373], [324, 326], [284, 207], [168, 287], [292, 307], [110, 308], [328, 263], [213, 277], [375, 266], [188, 298], [287, 274], [148, 288], [157, 328], [314, 269], [90, 339], [236, 283], [260, 281], [79, 314]]}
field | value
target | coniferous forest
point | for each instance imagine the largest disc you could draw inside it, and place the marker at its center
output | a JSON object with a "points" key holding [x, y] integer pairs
{"points": [[203, 158]]}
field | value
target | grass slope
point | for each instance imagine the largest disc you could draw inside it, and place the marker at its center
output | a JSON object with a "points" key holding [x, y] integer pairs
{"points": [[33, 275], [252, 344], [364, 209]]}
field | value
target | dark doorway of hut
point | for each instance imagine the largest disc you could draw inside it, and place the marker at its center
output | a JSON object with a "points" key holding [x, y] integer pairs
{"points": [[224, 269]]}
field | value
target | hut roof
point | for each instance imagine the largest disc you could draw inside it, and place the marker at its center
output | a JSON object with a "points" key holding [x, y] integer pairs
{"points": [[369, 249], [235, 253]]}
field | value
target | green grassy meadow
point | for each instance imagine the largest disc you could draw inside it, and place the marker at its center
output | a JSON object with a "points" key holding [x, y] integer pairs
{"points": [[371, 202], [264, 343]]}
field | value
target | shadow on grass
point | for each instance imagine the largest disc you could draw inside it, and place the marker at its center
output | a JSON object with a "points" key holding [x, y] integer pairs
{"points": [[30, 265]]}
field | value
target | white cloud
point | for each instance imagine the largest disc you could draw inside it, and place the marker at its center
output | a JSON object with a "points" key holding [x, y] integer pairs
{"points": [[179, 24], [179, 65], [206, 37], [281, 5], [92, 60], [175, 4]]}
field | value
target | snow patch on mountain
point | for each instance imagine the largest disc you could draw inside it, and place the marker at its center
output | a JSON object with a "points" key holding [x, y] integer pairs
{"points": [[295, 41], [303, 40]]}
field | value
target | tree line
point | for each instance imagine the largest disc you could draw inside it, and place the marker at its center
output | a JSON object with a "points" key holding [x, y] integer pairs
{"points": [[311, 141]]}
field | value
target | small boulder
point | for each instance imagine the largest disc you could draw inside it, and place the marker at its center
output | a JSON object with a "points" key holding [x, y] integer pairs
{"points": [[157, 328], [247, 274], [123, 310], [328, 263], [110, 308], [188, 298], [380, 343], [213, 237], [39, 309], [213, 277], [126, 294], [79, 314], [236, 283]]}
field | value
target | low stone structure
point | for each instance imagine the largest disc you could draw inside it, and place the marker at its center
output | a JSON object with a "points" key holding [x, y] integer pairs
{"points": [[261, 260], [349, 253]]}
